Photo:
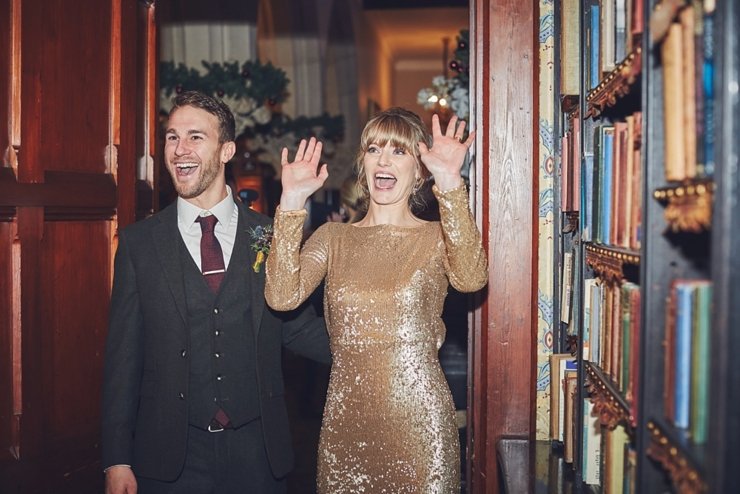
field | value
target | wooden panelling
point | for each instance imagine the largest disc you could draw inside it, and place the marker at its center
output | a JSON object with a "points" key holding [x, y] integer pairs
{"points": [[78, 312], [504, 81], [71, 102], [9, 342], [66, 51]]}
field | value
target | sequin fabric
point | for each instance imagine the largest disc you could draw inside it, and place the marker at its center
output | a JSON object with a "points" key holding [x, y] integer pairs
{"points": [[389, 421]]}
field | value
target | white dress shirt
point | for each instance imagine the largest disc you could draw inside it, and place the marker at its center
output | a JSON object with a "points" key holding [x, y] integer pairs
{"points": [[227, 214]]}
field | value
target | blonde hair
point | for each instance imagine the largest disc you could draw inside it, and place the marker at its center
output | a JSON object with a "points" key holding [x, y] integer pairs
{"points": [[403, 129]]}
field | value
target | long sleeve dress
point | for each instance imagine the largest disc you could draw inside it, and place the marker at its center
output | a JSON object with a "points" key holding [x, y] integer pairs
{"points": [[389, 421]]}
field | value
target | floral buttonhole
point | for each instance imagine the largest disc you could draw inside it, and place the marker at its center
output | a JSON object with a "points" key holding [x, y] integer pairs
{"points": [[261, 237]]}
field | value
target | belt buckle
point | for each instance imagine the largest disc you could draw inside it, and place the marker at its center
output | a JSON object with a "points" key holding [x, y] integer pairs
{"points": [[215, 427]]}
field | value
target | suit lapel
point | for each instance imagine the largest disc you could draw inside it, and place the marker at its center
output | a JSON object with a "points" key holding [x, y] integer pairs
{"points": [[243, 244], [167, 242]]}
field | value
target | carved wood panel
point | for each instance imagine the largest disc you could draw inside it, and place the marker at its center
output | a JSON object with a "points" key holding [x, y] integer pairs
{"points": [[70, 91]]}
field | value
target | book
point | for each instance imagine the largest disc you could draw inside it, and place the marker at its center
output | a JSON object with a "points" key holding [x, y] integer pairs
{"points": [[684, 321], [607, 169], [566, 293], [587, 213], [669, 352], [700, 361], [571, 385], [565, 184], [591, 464], [671, 51], [557, 393], [588, 285], [594, 63], [686, 17], [636, 220], [570, 29], [607, 37], [708, 87], [633, 391], [615, 460]]}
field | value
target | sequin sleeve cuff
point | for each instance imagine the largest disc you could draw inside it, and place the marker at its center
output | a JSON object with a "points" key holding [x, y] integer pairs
{"points": [[282, 283]]}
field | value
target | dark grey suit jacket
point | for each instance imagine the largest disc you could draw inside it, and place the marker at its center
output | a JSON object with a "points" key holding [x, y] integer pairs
{"points": [[144, 409]]}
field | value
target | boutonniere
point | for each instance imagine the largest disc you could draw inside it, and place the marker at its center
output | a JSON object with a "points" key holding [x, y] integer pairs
{"points": [[261, 238]]}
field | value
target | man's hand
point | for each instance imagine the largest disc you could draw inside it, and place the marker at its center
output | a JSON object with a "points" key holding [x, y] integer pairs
{"points": [[120, 480]]}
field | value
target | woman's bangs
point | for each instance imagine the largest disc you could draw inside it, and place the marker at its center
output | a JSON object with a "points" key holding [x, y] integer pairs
{"points": [[392, 130]]}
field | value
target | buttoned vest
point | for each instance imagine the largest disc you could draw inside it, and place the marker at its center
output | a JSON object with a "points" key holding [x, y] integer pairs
{"points": [[222, 344]]}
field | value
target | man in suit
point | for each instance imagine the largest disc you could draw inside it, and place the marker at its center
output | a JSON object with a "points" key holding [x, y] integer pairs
{"points": [[193, 393]]}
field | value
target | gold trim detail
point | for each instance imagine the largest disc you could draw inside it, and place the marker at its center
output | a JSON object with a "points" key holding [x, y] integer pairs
{"points": [[606, 406], [685, 478], [688, 207], [615, 84], [609, 263]]}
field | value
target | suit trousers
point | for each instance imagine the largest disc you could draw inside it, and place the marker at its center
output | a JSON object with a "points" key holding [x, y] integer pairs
{"points": [[233, 461]]}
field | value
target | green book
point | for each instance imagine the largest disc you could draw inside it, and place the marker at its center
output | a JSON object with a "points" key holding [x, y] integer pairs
{"points": [[700, 362]]}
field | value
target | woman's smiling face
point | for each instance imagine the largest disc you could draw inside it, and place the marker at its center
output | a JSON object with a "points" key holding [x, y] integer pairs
{"points": [[391, 172]]}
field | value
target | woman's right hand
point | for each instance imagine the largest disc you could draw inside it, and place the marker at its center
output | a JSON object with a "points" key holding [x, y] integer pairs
{"points": [[303, 176]]}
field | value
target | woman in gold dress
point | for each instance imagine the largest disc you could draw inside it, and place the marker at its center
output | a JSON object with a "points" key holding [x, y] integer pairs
{"points": [[389, 421]]}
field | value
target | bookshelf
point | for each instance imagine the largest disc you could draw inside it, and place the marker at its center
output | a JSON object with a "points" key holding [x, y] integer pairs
{"points": [[648, 223]]}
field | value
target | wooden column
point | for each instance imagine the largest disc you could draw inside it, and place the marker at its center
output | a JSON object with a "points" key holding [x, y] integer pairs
{"points": [[503, 97]]}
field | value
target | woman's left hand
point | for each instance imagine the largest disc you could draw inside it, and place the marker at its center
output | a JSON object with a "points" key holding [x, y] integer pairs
{"points": [[447, 155]]}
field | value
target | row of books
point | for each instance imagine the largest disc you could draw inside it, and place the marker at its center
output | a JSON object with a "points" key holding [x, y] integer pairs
{"points": [[608, 457], [612, 198], [686, 47], [688, 357], [612, 29], [611, 332]]}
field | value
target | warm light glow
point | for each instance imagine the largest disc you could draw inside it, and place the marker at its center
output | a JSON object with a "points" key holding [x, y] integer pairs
{"points": [[433, 98], [442, 102]]}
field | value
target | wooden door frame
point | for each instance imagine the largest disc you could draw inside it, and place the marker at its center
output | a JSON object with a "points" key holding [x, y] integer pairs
{"points": [[502, 357]]}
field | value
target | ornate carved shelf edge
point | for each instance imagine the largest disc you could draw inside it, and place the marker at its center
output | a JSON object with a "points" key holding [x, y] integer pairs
{"points": [[609, 263], [684, 476], [607, 406], [688, 207], [616, 84]]}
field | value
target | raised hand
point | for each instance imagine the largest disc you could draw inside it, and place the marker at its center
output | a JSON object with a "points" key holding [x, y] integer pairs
{"points": [[447, 155], [303, 176]]}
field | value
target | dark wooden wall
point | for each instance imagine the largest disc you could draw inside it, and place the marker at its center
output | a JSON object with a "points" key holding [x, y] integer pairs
{"points": [[76, 109], [503, 74]]}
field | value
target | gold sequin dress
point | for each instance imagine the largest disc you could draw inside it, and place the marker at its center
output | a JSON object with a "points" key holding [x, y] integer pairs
{"points": [[389, 421]]}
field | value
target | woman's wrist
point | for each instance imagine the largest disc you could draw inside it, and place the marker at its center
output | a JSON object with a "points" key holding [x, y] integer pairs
{"points": [[448, 182], [289, 202]]}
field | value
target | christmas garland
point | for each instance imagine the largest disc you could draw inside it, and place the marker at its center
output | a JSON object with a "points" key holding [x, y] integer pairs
{"points": [[253, 91]]}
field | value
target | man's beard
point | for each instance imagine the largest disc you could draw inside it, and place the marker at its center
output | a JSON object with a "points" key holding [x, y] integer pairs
{"points": [[210, 171]]}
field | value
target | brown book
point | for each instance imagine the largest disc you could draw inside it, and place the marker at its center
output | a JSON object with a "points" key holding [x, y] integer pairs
{"points": [[636, 220], [564, 172], [629, 164], [616, 334], [669, 351], [673, 100], [633, 391], [619, 181], [571, 384], [687, 16]]}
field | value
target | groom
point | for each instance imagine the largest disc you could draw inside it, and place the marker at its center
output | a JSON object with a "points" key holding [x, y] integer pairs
{"points": [[192, 391]]}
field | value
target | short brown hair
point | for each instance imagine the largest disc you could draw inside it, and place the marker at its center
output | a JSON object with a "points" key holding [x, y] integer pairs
{"points": [[214, 106]]}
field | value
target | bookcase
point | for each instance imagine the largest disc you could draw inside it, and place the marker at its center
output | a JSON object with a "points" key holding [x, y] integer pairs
{"points": [[648, 280]]}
